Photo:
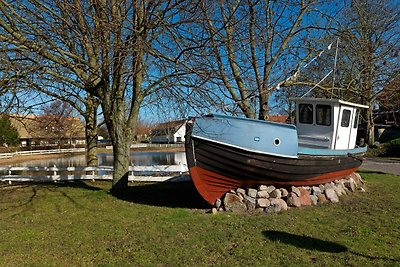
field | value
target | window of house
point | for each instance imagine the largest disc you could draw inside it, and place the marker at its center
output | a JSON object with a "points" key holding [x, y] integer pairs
{"points": [[356, 119], [345, 118], [323, 115], [306, 113]]}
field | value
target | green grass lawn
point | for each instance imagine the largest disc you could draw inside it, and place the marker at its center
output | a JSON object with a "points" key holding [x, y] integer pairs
{"points": [[167, 224]]}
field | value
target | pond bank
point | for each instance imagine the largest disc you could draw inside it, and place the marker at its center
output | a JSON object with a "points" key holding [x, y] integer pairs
{"points": [[23, 158]]}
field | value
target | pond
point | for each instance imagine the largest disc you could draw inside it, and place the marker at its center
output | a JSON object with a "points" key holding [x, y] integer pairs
{"points": [[106, 159]]}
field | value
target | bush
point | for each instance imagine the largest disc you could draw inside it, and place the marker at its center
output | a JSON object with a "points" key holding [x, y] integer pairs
{"points": [[388, 149], [8, 134]]}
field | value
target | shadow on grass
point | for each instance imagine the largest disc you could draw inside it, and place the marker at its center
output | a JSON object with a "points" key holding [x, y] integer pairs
{"points": [[305, 242], [30, 192], [316, 244], [76, 184], [166, 194]]}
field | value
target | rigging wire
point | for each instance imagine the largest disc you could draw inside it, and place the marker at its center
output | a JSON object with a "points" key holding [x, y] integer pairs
{"points": [[277, 85], [334, 67]]}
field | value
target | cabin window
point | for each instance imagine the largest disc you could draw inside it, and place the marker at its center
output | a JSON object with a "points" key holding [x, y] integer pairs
{"points": [[345, 118], [306, 113], [324, 115], [356, 119]]}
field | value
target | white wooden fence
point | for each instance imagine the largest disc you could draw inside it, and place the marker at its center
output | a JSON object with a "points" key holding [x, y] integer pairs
{"points": [[41, 152], [155, 173]]}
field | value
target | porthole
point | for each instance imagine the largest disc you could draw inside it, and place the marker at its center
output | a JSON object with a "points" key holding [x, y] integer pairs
{"points": [[277, 142]]}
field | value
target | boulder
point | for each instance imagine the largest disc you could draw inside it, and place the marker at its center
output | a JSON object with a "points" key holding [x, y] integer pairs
{"points": [[322, 198], [322, 187], [329, 185], [316, 190], [270, 189], [350, 184], [217, 203], [284, 192], [295, 190], [262, 194], [250, 202], [279, 202], [338, 191], [233, 203], [241, 191], [262, 188], [331, 195], [314, 199], [263, 202], [340, 185], [305, 199], [276, 194], [252, 192], [293, 200], [357, 178]]}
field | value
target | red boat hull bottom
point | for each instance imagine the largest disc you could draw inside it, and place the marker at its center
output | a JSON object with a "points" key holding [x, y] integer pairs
{"points": [[212, 186]]}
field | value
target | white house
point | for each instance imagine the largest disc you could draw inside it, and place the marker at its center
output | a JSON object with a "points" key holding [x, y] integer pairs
{"points": [[169, 132]]}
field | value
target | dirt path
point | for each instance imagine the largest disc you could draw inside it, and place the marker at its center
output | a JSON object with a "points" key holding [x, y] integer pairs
{"points": [[382, 165]]}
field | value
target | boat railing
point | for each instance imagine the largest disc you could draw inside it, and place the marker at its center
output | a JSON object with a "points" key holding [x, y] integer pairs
{"points": [[154, 173]]}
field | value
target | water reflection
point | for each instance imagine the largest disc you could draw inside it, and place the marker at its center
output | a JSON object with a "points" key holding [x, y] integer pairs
{"points": [[67, 161], [106, 159]]}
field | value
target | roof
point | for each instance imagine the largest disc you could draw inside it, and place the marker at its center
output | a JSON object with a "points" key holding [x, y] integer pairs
{"points": [[33, 126], [169, 125], [327, 101], [278, 118]]}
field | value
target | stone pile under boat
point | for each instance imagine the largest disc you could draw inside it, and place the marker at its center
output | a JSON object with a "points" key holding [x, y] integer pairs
{"points": [[270, 199]]}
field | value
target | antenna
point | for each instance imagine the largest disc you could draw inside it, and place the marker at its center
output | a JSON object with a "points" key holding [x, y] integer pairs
{"points": [[334, 67]]}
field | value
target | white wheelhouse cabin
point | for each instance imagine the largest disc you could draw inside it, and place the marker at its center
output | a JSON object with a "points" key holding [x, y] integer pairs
{"points": [[327, 123]]}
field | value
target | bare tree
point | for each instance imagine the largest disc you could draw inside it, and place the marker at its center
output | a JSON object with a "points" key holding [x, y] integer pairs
{"points": [[112, 50], [59, 123], [371, 51], [24, 73], [246, 48]]}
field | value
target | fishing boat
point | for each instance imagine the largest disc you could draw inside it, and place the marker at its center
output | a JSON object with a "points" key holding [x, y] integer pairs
{"points": [[225, 152]]}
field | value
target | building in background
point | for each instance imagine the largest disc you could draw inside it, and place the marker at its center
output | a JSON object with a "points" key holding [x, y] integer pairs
{"points": [[49, 131], [169, 132]]}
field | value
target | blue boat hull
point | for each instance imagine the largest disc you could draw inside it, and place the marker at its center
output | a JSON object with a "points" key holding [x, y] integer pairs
{"points": [[217, 166]]}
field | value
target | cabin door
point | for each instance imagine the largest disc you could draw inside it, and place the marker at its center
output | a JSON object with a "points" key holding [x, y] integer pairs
{"points": [[344, 127]]}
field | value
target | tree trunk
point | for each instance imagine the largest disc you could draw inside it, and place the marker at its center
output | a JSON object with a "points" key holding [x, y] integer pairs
{"points": [[91, 143], [263, 114], [121, 165], [370, 135], [91, 131], [121, 132]]}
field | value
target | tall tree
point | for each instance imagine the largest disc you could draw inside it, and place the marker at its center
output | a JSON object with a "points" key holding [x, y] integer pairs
{"points": [[113, 50], [246, 48], [371, 40]]}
